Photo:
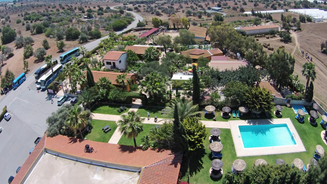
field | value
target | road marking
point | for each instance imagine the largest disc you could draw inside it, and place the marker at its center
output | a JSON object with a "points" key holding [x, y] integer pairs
{"points": [[18, 99]]}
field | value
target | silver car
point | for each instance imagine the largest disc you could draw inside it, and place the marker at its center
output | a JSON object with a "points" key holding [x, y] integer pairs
{"points": [[7, 116]]}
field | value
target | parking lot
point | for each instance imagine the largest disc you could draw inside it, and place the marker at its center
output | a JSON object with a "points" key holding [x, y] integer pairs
{"points": [[29, 110]]}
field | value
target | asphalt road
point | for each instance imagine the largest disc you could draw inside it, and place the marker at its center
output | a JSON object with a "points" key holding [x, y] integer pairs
{"points": [[29, 109]]}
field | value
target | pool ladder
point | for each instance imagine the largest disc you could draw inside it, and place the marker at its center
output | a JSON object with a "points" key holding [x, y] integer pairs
{"points": [[293, 135]]}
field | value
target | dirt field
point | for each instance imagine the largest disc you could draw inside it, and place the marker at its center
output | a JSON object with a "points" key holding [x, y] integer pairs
{"points": [[15, 64]]}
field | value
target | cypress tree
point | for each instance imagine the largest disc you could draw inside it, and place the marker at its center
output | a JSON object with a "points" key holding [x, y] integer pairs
{"points": [[90, 79], [196, 87]]}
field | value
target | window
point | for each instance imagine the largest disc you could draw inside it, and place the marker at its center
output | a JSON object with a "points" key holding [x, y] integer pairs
{"points": [[108, 63], [119, 61]]}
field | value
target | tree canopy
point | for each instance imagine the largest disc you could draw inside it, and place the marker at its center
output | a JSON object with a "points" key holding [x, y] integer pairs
{"points": [[259, 99], [185, 38], [8, 35]]}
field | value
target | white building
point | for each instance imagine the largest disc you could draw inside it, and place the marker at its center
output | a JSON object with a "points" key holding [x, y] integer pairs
{"points": [[115, 60], [181, 77], [260, 29]]}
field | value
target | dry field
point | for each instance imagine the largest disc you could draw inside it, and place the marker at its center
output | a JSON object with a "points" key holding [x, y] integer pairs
{"points": [[15, 64]]}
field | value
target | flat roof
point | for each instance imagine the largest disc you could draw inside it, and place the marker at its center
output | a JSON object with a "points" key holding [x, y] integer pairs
{"points": [[54, 169], [259, 27], [243, 152]]}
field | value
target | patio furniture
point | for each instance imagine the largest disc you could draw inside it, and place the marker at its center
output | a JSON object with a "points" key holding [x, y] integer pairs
{"points": [[324, 119], [122, 108], [88, 149], [288, 102], [317, 157], [238, 113], [278, 114], [238, 166], [216, 168], [320, 150], [298, 163], [280, 162], [225, 113], [267, 114], [313, 117], [279, 108], [243, 110], [234, 113], [300, 115], [119, 110], [256, 113], [260, 162], [216, 155], [304, 169], [106, 129]]}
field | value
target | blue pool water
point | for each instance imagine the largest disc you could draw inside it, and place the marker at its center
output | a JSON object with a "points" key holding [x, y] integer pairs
{"points": [[255, 136], [297, 107]]}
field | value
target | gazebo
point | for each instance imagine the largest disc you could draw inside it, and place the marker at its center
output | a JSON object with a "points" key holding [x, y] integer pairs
{"points": [[215, 132], [216, 170], [239, 165], [225, 113], [300, 115], [260, 162], [313, 117], [278, 112]]}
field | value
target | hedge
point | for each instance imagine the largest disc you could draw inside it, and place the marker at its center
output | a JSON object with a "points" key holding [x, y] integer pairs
{"points": [[4, 110]]}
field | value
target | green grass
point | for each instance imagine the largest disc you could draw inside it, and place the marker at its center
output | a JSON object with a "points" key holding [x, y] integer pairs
{"points": [[109, 109], [129, 142], [97, 134], [201, 162], [154, 111]]}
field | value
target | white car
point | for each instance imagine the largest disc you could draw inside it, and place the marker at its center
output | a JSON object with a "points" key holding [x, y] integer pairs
{"points": [[7, 116]]}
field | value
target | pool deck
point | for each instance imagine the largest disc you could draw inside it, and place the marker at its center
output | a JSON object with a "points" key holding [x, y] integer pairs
{"points": [[243, 152]]}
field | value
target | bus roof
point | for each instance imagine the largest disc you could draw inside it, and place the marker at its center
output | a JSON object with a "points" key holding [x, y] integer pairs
{"points": [[20, 76], [41, 68], [69, 52], [55, 69]]}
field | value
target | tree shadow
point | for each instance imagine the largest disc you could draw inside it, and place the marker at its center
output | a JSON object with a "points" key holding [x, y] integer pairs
{"points": [[73, 140], [129, 149], [196, 162]]}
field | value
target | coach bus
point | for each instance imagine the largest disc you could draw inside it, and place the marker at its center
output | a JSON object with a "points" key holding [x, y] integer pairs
{"points": [[64, 58], [18, 81], [49, 77], [43, 69]]}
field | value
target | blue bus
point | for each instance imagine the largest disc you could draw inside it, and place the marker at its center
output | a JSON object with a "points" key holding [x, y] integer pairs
{"points": [[43, 69], [18, 81], [64, 58]]}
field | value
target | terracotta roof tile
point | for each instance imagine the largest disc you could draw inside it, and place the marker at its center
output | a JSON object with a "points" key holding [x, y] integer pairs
{"points": [[196, 53], [270, 88], [113, 55], [216, 52], [148, 33], [112, 76]]}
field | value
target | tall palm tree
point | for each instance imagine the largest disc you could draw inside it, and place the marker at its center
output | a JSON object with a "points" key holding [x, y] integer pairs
{"points": [[155, 85], [88, 96], [69, 71], [131, 125], [121, 80], [48, 61], [77, 120], [185, 108], [309, 72]]}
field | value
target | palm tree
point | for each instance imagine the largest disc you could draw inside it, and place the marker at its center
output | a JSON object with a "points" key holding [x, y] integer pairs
{"points": [[104, 85], [77, 120], [155, 85], [309, 73], [88, 96], [121, 80], [48, 61], [68, 70], [185, 108], [131, 125]]}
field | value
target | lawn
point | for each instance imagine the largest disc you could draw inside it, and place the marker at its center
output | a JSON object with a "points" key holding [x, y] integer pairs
{"points": [[126, 141], [109, 109], [309, 134], [97, 134], [154, 111]]}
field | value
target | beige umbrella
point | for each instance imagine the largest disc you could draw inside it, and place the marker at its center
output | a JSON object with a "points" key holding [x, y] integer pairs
{"points": [[324, 117], [279, 108], [315, 106], [260, 162], [210, 108], [301, 112], [226, 109], [320, 150], [314, 161], [217, 164], [314, 114], [256, 111], [298, 163], [216, 146], [215, 132], [239, 165], [243, 109]]}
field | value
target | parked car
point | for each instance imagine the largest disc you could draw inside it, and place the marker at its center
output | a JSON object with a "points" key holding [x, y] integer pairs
{"points": [[7, 116], [18, 168], [31, 150], [62, 100], [73, 101], [37, 140], [10, 179]]}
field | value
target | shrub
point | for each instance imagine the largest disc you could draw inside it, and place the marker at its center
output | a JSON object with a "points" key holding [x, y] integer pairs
{"points": [[4, 110]]}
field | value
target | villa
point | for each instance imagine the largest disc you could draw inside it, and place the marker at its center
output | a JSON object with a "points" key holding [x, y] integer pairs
{"points": [[64, 160], [195, 54], [199, 32], [115, 60]]}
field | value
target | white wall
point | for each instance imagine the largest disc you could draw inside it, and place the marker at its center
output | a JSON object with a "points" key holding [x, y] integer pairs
{"points": [[122, 65], [260, 31]]}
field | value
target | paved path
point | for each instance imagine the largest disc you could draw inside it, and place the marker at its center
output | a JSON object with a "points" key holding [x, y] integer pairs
{"points": [[117, 135]]}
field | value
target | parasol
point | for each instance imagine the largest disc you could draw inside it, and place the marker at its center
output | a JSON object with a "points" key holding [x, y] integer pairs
{"points": [[210, 108], [280, 162], [215, 132], [217, 164], [226, 109], [314, 114], [260, 162], [279, 108], [298, 163], [216, 146], [301, 112], [315, 106], [320, 150], [239, 165], [243, 109]]}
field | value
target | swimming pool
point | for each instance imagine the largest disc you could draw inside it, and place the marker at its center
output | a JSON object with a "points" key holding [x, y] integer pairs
{"points": [[297, 107], [271, 135]]}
